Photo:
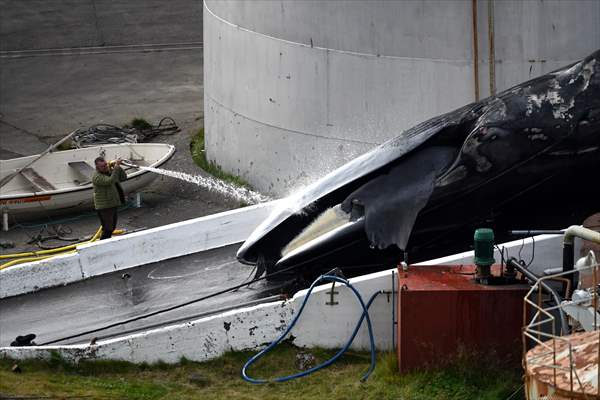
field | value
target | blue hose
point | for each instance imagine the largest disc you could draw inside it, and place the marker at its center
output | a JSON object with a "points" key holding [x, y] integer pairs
{"points": [[365, 313]]}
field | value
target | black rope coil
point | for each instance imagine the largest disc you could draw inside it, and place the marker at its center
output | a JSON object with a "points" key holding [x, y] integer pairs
{"points": [[111, 134]]}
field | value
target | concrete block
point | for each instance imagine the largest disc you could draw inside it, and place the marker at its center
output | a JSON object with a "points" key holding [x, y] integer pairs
{"points": [[30, 277], [200, 340]]}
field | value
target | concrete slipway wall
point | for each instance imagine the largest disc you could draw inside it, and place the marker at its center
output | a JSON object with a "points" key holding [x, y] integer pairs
{"points": [[251, 328], [296, 88], [150, 245]]}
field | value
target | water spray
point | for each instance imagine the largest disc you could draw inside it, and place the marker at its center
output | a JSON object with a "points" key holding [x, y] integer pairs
{"points": [[211, 183]]}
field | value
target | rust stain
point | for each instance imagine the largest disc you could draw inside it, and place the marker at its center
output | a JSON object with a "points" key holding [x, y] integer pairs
{"points": [[447, 277], [581, 383]]}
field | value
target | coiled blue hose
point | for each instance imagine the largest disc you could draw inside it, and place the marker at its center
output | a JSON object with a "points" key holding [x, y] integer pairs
{"points": [[365, 314]]}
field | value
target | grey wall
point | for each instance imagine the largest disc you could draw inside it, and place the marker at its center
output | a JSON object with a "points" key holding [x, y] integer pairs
{"points": [[295, 88], [46, 24]]}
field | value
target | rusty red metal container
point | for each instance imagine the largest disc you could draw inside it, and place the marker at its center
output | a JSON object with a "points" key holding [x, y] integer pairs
{"points": [[442, 311]]}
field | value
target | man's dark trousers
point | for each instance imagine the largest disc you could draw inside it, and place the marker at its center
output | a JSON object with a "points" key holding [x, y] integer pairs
{"points": [[108, 219]]}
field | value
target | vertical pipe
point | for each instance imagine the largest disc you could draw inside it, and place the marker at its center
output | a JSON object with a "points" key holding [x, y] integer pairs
{"points": [[137, 200], [492, 51], [570, 367], [523, 337], [569, 262], [554, 354], [595, 298], [393, 310], [475, 49], [5, 220]]}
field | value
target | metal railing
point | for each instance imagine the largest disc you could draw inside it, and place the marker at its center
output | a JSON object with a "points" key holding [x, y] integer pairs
{"points": [[536, 329]]}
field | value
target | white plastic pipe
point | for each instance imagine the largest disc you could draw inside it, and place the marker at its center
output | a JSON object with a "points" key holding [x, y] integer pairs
{"points": [[568, 240], [579, 231]]}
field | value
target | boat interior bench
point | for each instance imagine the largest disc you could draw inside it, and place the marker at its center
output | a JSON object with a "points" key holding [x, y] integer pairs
{"points": [[84, 169], [38, 181]]}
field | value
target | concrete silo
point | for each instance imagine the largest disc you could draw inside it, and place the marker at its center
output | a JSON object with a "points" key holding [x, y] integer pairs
{"points": [[296, 88]]}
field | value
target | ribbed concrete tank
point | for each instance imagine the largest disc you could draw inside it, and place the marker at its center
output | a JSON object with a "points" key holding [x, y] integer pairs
{"points": [[294, 89]]}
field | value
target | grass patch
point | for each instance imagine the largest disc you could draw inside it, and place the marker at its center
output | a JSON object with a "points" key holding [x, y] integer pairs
{"points": [[464, 378], [66, 145], [199, 156], [139, 124]]}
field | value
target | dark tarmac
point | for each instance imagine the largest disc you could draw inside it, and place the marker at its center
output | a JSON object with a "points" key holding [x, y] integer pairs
{"points": [[63, 311]]}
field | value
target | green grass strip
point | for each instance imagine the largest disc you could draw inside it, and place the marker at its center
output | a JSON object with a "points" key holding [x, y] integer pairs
{"points": [[484, 377]]}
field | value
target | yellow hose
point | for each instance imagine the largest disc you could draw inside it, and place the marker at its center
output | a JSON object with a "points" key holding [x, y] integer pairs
{"points": [[28, 259], [43, 254], [49, 251]]}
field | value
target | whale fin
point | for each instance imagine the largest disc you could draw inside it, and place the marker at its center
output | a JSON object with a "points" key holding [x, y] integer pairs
{"points": [[393, 201]]}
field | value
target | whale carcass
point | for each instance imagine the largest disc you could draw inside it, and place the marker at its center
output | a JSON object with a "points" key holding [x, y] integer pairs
{"points": [[528, 157]]}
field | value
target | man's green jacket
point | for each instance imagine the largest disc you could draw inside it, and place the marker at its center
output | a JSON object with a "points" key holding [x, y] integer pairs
{"points": [[106, 193]]}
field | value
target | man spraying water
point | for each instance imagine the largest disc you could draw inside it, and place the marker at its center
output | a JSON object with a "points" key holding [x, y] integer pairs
{"points": [[108, 194]]}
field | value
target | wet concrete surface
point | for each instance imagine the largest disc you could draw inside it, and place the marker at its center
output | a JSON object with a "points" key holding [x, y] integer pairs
{"points": [[63, 311]]}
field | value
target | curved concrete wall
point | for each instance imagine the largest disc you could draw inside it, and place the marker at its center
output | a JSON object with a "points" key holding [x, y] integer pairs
{"points": [[294, 89]]}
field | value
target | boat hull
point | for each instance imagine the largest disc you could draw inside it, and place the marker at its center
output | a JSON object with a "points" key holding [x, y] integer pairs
{"points": [[80, 198], [28, 204]]}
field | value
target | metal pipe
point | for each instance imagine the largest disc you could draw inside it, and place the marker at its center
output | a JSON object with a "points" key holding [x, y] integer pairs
{"points": [[535, 232], [492, 51], [567, 283], [569, 242], [581, 232], [531, 276], [393, 310], [475, 49]]}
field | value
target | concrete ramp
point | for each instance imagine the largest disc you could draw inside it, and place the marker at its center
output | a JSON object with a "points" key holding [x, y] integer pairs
{"points": [[67, 310], [135, 249]]}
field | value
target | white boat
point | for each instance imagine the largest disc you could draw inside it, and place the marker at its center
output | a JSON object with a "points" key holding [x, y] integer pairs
{"points": [[61, 180]]}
